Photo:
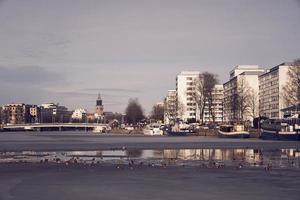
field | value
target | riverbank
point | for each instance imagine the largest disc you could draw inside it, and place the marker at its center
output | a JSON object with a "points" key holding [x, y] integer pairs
{"points": [[52, 181]]}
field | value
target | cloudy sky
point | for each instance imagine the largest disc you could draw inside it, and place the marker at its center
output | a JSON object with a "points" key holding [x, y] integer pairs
{"points": [[67, 50]]}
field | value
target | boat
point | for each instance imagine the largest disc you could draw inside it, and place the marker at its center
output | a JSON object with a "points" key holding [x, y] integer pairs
{"points": [[180, 130], [233, 131], [280, 129], [101, 128], [153, 129]]}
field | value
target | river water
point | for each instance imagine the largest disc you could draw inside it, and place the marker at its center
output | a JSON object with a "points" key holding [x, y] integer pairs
{"points": [[280, 158]]}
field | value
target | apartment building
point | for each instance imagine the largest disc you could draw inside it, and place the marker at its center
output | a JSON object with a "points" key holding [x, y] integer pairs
{"points": [[216, 113], [271, 85], [170, 112], [185, 89], [240, 76], [16, 113]]}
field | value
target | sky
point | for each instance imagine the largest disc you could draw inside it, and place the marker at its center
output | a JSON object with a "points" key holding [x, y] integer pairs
{"points": [[67, 51]]}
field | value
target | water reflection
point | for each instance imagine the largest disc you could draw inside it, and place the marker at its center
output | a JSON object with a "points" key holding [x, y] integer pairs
{"points": [[282, 158]]}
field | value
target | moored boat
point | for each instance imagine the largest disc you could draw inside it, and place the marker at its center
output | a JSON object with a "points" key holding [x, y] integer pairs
{"points": [[153, 129], [280, 129], [180, 129], [180, 133], [233, 131]]}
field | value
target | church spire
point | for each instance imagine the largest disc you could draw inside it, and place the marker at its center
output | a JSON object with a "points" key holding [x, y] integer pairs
{"points": [[99, 100], [99, 96]]}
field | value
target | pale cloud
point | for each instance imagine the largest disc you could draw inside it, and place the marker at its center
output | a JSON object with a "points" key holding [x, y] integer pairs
{"points": [[30, 75]]}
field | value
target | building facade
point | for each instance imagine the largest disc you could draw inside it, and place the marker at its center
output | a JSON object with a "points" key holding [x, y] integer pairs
{"points": [[243, 79], [185, 91], [79, 115], [16, 113], [170, 112], [54, 113], [216, 112], [271, 85], [34, 113]]}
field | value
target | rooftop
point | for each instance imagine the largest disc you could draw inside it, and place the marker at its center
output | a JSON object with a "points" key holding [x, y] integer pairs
{"points": [[189, 73]]}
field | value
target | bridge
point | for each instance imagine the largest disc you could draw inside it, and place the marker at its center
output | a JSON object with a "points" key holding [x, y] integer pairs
{"points": [[56, 126]]}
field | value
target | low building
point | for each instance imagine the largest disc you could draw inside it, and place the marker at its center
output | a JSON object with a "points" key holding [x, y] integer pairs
{"points": [[79, 115], [54, 113], [90, 117]]}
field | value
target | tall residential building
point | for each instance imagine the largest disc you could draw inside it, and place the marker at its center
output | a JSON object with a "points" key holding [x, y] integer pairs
{"points": [[170, 112], [242, 77], [216, 112], [271, 84], [186, 104]]}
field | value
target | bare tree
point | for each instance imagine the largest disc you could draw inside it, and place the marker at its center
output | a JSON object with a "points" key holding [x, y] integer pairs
{"points": [[180, 108], [157, 112], [170, 111], [253, 104], [203, 95], [291, 91], [134, 112], [242, 99]]}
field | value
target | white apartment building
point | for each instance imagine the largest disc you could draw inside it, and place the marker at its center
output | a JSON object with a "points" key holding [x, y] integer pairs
{"points": [[170, 112], [186, 105], [241, 74], [217, 106], [271, 84]]}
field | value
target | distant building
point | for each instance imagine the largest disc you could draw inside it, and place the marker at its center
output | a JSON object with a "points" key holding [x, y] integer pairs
{"points": [[16, 113], [99, 114], [1, 115], [34, 113], [170, 112], [270, 91], [79, 115], [54, 113], [90, 117], [47, 115], [186, 104], [241, 74], [216, 113]]}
